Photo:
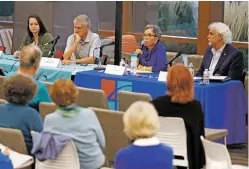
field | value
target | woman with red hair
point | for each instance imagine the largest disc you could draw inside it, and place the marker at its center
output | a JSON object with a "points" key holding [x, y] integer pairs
{"points": [[179, 102]]}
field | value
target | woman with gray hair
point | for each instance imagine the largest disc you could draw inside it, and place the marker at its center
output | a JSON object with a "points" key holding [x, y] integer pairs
{"points": [[141, 124], [221, 58], [152, 53]]}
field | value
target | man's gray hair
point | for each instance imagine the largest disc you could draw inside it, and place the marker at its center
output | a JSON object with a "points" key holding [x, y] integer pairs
{"points": [[156, 30], [30, 57], [84, 20], [223, 30]]}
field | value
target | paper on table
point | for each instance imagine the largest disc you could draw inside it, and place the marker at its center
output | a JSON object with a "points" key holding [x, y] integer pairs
{"points": [[18, 160], [217, 77], [115, 70], [197, 78], [162, 76], [141, 71]]}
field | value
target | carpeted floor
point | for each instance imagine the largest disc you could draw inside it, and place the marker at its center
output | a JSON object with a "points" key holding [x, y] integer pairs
{"points": [[239, 154]]}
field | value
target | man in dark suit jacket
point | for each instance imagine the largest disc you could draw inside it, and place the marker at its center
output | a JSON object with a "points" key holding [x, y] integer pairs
{"points": [[221, 58]]}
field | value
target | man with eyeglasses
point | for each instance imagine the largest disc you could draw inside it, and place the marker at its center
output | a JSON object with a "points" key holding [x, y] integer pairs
{"points": [[83, 46], [152, 55], [221, 58]]}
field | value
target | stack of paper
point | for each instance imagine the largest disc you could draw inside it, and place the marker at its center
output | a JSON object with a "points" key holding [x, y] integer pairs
{"points": [[18, 160]]}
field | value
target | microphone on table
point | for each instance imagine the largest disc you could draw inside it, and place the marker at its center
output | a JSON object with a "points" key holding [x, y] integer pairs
{"points": [[142, 46], [108, 44], [98, 60], [52, 41], [171, 61], [51, 53]]}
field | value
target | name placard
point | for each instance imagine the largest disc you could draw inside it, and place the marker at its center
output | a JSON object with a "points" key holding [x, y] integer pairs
{"points": [[162, 76], [115, 70], [50, 62]]}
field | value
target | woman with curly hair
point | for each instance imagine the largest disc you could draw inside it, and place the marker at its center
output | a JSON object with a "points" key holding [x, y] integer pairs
{"points": [[16, 114]]}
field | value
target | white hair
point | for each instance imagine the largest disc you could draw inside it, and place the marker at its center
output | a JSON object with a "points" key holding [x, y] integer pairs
{"points": [[223, 30], [84, 20], [141, 120]]}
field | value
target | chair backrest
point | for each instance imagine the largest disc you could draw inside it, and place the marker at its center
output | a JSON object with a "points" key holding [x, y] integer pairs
{"points": [[46, 108], [2, 48], [67, 159], [243, 76], [173, 133], [13, 139], [92, 98], [59, 54], [125, 99], [47, 84], [112, 125], [2, 79], [6, 40], [2, 101], [129, 43], [216, 155]]}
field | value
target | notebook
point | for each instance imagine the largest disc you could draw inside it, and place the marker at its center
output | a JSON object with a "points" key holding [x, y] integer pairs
{"points": [[18, 160]]}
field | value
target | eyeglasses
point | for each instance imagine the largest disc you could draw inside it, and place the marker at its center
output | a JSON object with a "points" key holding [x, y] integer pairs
{"points": [[148, 35]]}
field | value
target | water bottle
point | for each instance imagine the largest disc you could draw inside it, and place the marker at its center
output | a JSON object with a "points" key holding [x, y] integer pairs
{"points": [[133, 64], [206, 77], [122, 62], [73, 59], [191, 69]]}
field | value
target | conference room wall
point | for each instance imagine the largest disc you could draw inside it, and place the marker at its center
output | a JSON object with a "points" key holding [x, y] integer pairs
{"points": [[64, 14], [57, 17]]}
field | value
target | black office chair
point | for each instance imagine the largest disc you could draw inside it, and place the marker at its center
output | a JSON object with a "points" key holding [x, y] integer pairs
{"points": [[109, 43], [243, 76]]}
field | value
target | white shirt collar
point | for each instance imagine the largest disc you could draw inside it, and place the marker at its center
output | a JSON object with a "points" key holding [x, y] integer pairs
{"points": [[89, 34], [219, 51], [147, 141]]}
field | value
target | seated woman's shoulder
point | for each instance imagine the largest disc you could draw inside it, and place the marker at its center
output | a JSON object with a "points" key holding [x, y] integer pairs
{"points": [[161, 99], [161, 45], [196, 102], [48, 35], [166, 148]]}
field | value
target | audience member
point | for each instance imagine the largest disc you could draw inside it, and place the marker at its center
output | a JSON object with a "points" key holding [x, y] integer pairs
{"points": [[221, 58], [37, 34], [83, 44], [141, 124], [152, 53], [16, 114], [80, 124], [180, 102], [30, 58]]}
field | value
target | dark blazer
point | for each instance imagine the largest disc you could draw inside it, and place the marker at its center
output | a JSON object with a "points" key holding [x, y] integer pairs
{"points": [[43, 39], [193, 118], [230, 63]]}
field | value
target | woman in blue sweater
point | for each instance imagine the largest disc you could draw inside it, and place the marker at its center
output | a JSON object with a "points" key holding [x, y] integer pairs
{"points": [[18, 91], [141, 124], [80, 124], [152, 55]]}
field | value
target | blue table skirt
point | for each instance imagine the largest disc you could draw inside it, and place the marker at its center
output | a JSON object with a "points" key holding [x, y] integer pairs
{"points": [[224, 104]]}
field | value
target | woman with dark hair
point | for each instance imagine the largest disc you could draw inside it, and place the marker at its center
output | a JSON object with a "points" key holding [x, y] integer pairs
{"points": [[179, 102], [37, 34], [18, 91]]}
